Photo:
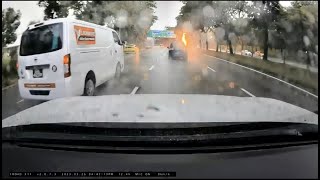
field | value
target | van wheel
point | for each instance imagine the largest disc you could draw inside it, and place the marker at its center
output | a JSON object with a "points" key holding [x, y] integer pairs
{"points": [[118, 72], [89, 87]]}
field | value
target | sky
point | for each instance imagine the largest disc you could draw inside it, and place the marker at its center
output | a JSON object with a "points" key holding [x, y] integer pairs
{"points": [[166, 11]]}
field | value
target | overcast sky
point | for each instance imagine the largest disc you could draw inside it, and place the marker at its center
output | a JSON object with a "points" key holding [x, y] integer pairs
{"points": [[166, 11]]}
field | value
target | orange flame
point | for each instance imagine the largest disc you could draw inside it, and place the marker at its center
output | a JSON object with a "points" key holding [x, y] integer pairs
{"points": [[184, 39]]}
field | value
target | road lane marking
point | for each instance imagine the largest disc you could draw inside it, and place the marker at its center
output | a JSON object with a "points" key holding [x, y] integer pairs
{"points": [[151, 67], [5, 88], [266, 75], [20, 101], [134, 90], [247, 92], [211, 69]]}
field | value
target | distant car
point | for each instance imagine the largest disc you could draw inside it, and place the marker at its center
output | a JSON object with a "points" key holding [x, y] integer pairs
{"points": [[246, 53], [177, 51], [130, 48]]}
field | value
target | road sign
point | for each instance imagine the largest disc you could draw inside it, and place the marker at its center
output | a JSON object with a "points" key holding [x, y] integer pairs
{"points": [[161, 34]]}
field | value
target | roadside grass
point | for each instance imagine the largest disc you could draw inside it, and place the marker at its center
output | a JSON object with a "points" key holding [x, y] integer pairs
{"points": [[9, 74], [300, 77]]}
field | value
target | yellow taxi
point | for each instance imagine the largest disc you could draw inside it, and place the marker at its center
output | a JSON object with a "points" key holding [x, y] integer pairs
{"points": [[130, 48]]}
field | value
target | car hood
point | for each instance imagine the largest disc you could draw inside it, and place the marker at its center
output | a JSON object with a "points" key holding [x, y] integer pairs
{"points": [[162, 108]]}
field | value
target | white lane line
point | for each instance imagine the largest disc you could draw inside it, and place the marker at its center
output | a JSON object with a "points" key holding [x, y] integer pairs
{"points": [[247, 92], [267, 75], [134, 90], [151, 67], [20, 101], [16, 83], [211, 69]]}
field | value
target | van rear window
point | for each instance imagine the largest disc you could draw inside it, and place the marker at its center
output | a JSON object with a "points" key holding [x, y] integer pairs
{"points": [[40, 40]]}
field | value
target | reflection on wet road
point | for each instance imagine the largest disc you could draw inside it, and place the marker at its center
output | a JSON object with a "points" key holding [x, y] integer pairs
{"points": [[151, 72]]}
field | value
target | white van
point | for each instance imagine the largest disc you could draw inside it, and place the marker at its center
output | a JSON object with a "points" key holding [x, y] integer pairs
{"points": [[66, 57]]}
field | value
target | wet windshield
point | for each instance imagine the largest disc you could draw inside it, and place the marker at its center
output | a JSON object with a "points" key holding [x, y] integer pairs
{"points": [[241, 61]]}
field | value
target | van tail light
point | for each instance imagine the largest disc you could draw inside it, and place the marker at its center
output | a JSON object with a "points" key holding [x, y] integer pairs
{"points": [[17, 65], [67, 65]]}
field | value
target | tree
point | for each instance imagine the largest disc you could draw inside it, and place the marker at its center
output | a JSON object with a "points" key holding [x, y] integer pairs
{"points": [[264, 15], [10, 23], [132, 19], [59, 9], [304, 18], [208, 16]]}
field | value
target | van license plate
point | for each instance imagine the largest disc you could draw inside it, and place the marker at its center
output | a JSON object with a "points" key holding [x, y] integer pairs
{"points": [[37, 73]]}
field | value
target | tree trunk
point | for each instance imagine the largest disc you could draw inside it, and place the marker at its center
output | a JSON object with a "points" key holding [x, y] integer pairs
{"points": [[217, 47], [252, 51], [207, 45], [265, 44], [308, 60], [230, 46]]}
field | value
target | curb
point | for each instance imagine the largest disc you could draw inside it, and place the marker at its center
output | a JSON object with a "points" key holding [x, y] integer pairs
{"points": [[10, 86]]}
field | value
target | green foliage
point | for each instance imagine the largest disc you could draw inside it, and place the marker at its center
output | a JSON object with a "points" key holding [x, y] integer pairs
{"points": [[10, 22], [55, 9], [265, 24], [132, 18]]}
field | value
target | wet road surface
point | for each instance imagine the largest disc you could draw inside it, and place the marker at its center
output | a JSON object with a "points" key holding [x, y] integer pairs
{"points": [[151, 72]]}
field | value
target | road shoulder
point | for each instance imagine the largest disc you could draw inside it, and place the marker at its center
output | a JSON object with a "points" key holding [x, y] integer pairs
{"points": [[296, 77]]}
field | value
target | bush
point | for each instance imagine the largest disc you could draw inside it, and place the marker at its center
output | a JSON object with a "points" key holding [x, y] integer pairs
{"points": [[13, 67], [9, 71]]}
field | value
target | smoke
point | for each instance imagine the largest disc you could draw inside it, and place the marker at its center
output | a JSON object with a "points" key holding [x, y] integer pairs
{"points": [[187, 27]]}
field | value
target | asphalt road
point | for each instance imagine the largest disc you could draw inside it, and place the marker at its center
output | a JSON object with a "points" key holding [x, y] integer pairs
{"points": [[151, 72]]}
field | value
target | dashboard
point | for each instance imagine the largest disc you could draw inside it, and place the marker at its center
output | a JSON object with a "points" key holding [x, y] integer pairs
{"points": [[286, 162]]}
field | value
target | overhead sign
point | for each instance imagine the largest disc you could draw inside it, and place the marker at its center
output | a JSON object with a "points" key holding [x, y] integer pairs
{"points": [[161, 34]]}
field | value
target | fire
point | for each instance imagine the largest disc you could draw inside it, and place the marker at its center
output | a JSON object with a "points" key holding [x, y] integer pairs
{"points": [[184, 40]]}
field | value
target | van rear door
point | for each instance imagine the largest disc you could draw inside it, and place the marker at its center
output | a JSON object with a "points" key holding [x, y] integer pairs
{"points": [[41, 54]]}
